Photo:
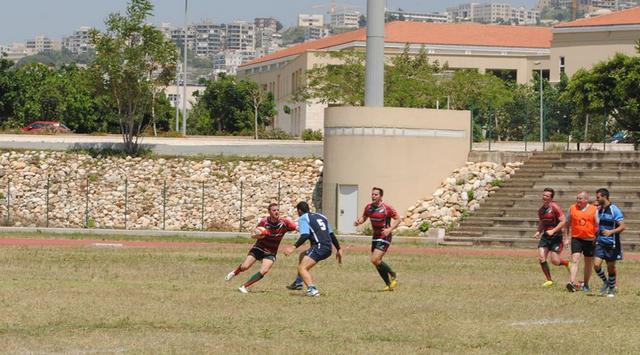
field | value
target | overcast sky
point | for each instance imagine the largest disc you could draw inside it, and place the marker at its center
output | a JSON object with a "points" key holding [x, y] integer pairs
{"points": [[24, 19]]}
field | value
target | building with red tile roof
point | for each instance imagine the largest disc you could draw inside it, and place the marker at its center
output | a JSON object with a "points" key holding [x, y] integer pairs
{"points": [[507, 49], [585, 42]]}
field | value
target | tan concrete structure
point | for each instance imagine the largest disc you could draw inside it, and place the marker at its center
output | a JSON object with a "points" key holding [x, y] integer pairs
{"points": [[405, 151], [585, 42]]}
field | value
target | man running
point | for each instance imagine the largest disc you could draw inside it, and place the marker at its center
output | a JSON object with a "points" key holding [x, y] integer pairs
{"points": [[581, 228], [315, 228], [266, 248], [384, 219], [608, 246], [551, 220]]}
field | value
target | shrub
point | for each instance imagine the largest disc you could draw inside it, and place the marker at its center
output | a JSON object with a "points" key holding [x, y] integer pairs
{"points": [[311, 135], [275, 133], [470, 195], [424, 227], [496, 182]]}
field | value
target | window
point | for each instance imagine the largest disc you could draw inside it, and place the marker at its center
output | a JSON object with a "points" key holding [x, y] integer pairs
{"points": [[561, 65]]}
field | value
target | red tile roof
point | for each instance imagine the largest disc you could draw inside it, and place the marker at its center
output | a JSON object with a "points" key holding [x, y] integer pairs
{"points": [[464, 34], [625, 17]]}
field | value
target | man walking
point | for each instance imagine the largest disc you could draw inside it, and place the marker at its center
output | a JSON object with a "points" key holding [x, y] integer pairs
{"points": [[315, 228], [581, 229], [551, 220], [608, 246], [384, 219]]}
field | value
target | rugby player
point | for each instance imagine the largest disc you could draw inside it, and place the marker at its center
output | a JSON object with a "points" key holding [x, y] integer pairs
{"points": [[264, 249]]}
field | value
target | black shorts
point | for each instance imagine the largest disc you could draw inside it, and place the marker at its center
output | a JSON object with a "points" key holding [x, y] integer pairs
{"points": [[318, 253], [380, 244], [260, 254], [553, 243], [584, 246]]}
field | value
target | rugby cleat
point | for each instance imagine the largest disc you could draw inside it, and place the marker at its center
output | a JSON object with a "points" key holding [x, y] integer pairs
{"points": [[547, 284], [230, 276], [604, 290], [294, 286], [612, 292], [585, 288], [243, 289], [571, 287], [312, 292], [393, 284], [387, 288]]}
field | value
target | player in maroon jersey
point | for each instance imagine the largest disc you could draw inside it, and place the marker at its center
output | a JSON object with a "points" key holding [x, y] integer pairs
{"points": [[264, 249], [551, 221], [384, 219]]}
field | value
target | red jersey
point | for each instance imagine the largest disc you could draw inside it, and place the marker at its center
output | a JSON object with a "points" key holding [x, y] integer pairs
{"points": [[277, 230], [550, 217], [380, 216]]}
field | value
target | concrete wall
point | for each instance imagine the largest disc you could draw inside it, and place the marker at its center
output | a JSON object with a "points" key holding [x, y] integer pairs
{"points": [[407, 152], [585, 49]]}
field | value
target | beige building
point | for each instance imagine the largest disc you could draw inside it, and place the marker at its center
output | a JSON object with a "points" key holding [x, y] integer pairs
{"points": [[515, 49], [585, 42]]}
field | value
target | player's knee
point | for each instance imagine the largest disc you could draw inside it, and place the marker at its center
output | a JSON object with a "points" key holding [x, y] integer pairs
{"points": [[375, 260]]}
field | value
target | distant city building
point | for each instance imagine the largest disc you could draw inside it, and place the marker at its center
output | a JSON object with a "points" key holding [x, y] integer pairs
{"points": [[228, 61], [210, 38], [310, 20], [42, 44], [401, 15], [313, 32], [79, 41], [178, 37], [345, 19], [240, 36], [493, 13], [266, 22]]}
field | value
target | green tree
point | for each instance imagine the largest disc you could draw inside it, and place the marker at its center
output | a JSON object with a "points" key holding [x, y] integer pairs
{"points": [[7, 88], [133, 59], [234, 106]]}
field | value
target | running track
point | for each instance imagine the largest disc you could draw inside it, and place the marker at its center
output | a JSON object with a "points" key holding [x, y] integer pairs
{"points": [[31, 242]]}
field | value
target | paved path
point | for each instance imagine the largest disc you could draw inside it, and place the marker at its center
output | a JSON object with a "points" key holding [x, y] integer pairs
{"points": [[196, 145]]}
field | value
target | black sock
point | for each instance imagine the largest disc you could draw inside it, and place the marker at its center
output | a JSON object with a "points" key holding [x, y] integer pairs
{"points": [[384, 272]]}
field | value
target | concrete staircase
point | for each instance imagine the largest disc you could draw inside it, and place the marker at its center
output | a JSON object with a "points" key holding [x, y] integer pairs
{"points": [[509, 216]]}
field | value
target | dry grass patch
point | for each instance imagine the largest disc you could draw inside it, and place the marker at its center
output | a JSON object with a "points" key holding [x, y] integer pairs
{"points": [[151, 300]]}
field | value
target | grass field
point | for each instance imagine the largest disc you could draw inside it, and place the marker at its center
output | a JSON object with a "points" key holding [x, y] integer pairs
{"points": [[174, 300]]}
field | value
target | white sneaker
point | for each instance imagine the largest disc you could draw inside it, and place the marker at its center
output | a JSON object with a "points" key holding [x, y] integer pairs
{"points": [[243, 289], [229, 276], [313, 292]]}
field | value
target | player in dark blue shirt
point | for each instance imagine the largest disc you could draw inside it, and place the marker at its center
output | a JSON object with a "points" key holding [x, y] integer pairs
{"points": [[315, 228], [608, 245]]}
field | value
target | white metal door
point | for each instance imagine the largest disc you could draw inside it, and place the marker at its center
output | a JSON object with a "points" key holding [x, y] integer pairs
{"points": [[347, 208]]}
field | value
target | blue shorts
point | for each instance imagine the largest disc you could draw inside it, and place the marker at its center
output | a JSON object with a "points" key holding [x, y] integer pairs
{"points": [[608, 253], [318, 253]]}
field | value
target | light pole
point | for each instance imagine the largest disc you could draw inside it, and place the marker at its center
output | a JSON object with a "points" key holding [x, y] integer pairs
{"points": [[541, 105], [184, 75]]}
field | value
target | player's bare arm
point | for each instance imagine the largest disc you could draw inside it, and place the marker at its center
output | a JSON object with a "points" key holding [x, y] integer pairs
{"points": [[395, 222]]}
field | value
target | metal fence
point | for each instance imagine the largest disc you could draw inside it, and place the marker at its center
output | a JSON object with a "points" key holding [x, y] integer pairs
{"points": [[135, 203]]}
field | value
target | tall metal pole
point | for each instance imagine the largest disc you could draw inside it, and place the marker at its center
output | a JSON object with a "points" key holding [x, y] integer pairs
{"points": [[184, 75], [374, 75], [541, 111]]}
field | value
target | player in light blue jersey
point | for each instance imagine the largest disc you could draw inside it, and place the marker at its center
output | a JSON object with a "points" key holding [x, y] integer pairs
{"points": [[315, 228], [608, 246]]}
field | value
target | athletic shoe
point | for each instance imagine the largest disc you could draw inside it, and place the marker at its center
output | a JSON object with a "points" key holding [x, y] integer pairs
{"points": [[585, 288], [387, 288], [243, 289], [312, 292], [393, 284], [604, 290], [571, 287], [294, 286], [547, 284], [230, 276], [612, 292]]}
